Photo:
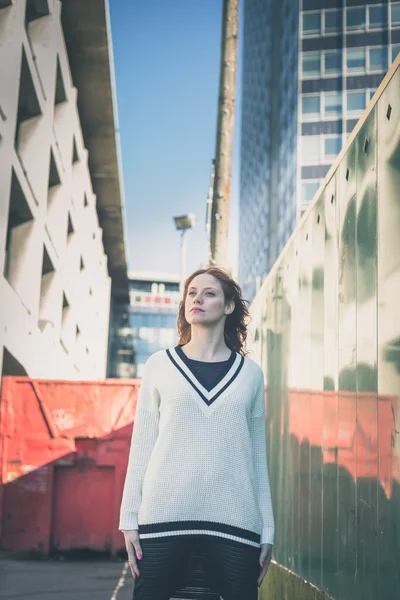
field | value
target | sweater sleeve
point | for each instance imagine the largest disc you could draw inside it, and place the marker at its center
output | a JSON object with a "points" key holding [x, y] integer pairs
{"points": [[257, 431], [144, 435]]}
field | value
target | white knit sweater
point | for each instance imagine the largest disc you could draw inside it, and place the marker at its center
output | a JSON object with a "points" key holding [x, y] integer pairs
{"points": [[197, 461]]}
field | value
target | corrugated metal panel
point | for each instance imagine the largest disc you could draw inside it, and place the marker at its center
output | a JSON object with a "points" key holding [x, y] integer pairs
{"points": [[326, 330]]}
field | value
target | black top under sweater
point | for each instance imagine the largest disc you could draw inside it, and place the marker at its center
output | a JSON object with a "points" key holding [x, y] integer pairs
{"points": [[209, 374]]}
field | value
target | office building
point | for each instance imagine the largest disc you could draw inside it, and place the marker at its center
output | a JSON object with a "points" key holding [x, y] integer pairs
{"points": [[147, 324], [310, 67], [62, 251]]}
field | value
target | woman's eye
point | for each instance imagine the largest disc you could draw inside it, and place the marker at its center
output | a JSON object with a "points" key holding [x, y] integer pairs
{"points": [[210, 294], [191, 294]]}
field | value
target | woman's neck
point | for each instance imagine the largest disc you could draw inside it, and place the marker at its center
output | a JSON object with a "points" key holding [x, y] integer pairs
{"points": [[207, 345]]}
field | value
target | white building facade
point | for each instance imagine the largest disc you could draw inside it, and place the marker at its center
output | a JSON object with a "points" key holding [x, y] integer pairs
{"points": [[56, 278]]}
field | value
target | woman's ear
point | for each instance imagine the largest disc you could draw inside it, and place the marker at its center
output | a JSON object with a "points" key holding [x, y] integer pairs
{"points": [[230, 307]]}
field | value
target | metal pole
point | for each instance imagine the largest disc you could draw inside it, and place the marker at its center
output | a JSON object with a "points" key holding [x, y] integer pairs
{"points": [[226, 118], [183, 261], [209, 213]]}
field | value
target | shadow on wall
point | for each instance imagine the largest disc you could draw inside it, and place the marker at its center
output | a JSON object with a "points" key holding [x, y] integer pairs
{"points": [[11, 366], [335, 482]]}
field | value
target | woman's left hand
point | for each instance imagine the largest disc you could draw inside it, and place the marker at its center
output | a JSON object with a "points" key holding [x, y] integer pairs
{"points": [[265, 559]]}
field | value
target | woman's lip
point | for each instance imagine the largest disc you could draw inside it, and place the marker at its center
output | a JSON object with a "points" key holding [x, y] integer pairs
{"points": [[197, 310]]}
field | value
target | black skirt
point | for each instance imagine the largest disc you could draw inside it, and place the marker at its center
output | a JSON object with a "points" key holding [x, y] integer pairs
{"points": [[197, 567]]}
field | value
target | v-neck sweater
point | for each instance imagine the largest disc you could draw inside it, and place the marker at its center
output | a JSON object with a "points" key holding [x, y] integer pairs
{"points": [[197, 461], [209, 374]]}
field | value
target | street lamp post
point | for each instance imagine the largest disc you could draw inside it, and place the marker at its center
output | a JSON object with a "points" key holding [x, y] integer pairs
{"points": [[183, 223]]}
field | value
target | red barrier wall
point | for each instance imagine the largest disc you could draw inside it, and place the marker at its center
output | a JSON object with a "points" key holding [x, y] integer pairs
{"points": [[64, 450], [63, 454]]}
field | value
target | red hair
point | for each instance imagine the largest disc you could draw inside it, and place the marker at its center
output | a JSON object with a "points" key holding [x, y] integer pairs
{"points": [[236, 323]]}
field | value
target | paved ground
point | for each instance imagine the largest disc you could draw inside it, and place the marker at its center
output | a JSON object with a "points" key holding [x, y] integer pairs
{"points": [[65, 580], [77, 578]]}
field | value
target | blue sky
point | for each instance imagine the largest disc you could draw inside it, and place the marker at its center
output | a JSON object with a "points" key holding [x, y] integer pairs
{"points": [[166, 56]]}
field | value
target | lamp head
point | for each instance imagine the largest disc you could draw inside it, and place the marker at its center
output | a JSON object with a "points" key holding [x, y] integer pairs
{"points": [[184, 222]]}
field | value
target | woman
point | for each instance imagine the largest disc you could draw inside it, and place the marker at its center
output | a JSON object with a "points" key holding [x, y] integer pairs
{"points": [[197, 466]]}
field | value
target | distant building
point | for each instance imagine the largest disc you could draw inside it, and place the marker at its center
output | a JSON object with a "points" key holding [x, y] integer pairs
{"points": [[147, 324], [310, 68], [60, 189]]}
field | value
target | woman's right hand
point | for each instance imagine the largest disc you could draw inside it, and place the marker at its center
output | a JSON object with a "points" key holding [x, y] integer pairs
{"points": [[133, 548]]}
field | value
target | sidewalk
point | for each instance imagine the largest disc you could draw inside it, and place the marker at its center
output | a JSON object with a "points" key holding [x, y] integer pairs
{"points": [[65, 580]]}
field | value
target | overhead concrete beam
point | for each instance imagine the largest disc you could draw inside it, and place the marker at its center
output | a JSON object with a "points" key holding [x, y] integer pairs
{"points": [[88, 39]]}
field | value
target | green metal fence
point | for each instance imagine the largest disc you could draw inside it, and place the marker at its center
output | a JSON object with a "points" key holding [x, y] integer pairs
{"points": [[326, 330]]}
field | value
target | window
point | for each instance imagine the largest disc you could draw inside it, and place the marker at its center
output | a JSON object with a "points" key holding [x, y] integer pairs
{"points": [[311, 153], [378, 59], [311, 64], [377, 17], [75, 155], [311, 23], [395, 14], [19, 233], [356, 59], [349, 128], [28, 103], [355, 19], [311, 105], [60, 93], [70, 229], [356, 101], [332, 146], [371, 94], [333, 104], [308, 190], [333, 62], [333, 21], [395, 51]]}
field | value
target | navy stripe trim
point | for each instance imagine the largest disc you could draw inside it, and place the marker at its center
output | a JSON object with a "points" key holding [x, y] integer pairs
{"points": [[191, 364], [201, 525], [208, 402], [230, 381], [186, 376]]}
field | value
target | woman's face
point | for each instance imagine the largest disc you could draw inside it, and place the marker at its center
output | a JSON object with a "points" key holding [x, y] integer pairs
{"points": [[205, 301]]}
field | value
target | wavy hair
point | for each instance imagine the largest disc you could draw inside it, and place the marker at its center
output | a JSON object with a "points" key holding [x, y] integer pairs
{"points": [[235, 332]]}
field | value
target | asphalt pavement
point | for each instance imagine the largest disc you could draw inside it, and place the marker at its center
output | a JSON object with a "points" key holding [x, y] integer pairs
{"points": [[65, 580]]}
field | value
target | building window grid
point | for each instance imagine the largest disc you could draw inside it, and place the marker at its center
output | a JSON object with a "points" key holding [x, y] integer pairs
{"points": [[394, 15], [329, 156], [326, 13], [313, 17], [322, 72], [323, 29], [391, 50], [367, 60], [367, 93], [320, 157], [391, 19], [321, 113], [309, 188], [389, 53]]}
